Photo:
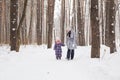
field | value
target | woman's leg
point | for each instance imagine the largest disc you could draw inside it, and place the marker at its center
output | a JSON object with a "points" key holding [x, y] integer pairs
{"points": [[68, 54], [72, 54]]}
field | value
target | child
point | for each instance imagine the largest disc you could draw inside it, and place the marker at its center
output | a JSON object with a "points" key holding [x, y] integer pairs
{"points": [[58, 49]]}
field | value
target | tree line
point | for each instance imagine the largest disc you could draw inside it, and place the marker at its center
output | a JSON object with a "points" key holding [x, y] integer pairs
{"points": [[96, 22]]}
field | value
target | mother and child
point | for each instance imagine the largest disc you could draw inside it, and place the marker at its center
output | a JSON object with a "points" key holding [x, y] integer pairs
{"points": [[71, 45]]}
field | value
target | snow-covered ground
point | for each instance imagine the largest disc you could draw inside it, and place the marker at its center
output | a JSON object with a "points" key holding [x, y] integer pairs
{"points": [[39, 63]]}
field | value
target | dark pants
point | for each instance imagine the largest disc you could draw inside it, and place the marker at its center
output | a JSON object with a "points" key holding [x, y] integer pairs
{"points": [[58, 56], [70, 54]]}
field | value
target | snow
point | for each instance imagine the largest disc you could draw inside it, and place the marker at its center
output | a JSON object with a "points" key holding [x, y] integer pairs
{"points": [[13, 29], [112, 24], [113, 31], [39, 63]]}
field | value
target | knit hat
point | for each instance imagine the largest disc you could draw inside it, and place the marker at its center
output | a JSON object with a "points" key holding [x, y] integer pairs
{"points": [[57, 40]]}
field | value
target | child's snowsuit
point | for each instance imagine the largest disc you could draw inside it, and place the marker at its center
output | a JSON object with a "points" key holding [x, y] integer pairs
{"points": [[58, 50]]}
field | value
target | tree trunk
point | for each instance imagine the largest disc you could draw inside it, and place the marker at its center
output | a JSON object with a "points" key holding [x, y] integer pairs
{"points": [[46, 23], [19, 26], [102, 21], [107, 24], [1, 21], [50, 21], [7, 23], [74, 15], [42, 21], [62, 25], [13, 23], [38, 22], [110, 25], [81, 36], [95, 51], [30, 37], [40, 16]]}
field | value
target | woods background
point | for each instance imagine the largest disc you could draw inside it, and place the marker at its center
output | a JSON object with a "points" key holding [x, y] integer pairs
{"points": [[38, 22]]}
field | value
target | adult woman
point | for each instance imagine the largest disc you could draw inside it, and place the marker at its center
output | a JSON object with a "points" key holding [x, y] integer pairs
{"points": [[71, 44]]}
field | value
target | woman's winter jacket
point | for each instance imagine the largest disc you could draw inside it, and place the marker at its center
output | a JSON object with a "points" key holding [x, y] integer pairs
{"points": [[71, 40]]}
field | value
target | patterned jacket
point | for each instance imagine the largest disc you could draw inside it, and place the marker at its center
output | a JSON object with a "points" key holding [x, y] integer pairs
{"points": [[57, 48]]}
